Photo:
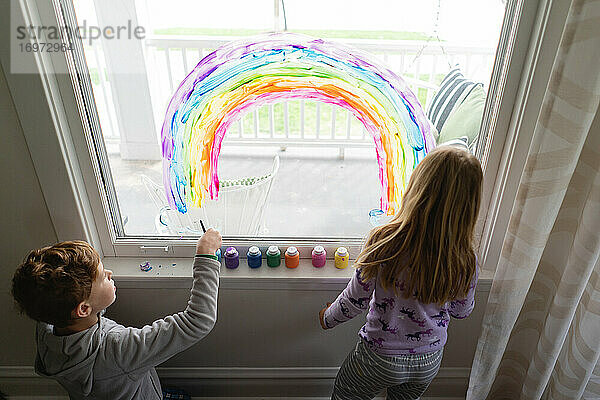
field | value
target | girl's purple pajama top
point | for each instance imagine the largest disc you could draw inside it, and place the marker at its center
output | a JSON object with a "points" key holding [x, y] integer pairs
{"points": [[396, 325]]}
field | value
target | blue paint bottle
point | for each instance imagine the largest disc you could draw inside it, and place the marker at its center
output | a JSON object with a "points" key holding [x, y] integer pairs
{"points": [[218, 254], [254, 257]]}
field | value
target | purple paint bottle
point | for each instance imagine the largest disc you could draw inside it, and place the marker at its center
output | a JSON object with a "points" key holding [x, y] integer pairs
{"points": [[232, 258], [319, 256]]}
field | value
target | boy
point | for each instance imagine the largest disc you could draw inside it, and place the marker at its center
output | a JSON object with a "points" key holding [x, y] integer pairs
{"points": [[66, 288]]}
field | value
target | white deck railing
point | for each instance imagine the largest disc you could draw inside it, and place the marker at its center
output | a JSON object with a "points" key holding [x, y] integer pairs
{"points": [[170, 58]]}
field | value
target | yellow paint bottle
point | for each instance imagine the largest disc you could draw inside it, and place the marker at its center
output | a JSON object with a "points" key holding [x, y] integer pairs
{"points": [[341, 257]]}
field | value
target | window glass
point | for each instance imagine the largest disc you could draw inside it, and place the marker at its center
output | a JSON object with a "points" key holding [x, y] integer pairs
{"points": [[298, 167]]}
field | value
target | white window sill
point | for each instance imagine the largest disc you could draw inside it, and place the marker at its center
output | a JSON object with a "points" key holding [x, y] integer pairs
{"points": [[177, 273]]}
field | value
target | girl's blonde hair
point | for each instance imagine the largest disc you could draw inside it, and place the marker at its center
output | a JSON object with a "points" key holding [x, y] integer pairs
{"points": [[431, 237]]}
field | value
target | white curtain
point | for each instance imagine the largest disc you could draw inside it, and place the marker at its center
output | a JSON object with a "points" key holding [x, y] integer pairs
{"points": [[541, 332]]}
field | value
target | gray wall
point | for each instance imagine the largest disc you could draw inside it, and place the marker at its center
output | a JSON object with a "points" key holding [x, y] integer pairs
{"points": [[25, 224], [255, 328], [279, 328]]}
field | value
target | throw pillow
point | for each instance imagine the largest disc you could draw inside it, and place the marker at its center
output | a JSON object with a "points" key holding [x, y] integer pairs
{"points": [[465, 120], [453, 90]]}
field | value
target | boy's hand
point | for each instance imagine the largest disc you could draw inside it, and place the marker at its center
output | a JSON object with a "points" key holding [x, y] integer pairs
{"points": [[322, 316], [209, 242]]}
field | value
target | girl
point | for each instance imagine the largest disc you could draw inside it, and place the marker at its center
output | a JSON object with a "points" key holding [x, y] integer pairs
{"points": [[413, 274]]}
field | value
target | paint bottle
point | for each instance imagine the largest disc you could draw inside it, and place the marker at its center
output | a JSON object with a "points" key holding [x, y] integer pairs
{"points": [[218, 254], [254, 257], [341, 257], [273, 256], [232, 258], [319, 256], [292, 257]]}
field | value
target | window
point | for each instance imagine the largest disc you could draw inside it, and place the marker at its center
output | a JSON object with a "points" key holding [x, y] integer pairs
{"points": [[325, 181]]}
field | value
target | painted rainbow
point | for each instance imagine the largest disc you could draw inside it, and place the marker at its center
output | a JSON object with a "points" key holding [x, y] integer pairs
{"points": [[252, 72]]}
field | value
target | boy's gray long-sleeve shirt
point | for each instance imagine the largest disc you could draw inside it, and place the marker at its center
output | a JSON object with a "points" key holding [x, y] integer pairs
{"points": [[111, 361]]}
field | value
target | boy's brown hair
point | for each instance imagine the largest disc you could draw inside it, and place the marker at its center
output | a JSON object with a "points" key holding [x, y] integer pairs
{"points": [[53, 280]]}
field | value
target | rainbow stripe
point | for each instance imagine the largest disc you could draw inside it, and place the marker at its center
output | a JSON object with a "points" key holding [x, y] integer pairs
{"points": [[249, 73]]}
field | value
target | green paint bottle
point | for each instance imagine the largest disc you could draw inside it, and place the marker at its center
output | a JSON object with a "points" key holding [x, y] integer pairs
{"points": [[273, 256]]}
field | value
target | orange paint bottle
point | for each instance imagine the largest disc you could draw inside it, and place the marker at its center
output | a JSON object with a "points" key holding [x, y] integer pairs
{"points": [[292, 257]]}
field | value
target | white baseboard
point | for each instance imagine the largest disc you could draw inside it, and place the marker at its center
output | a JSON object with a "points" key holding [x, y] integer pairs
{"points": [[277, 373], [311, 398], [228, 398], [21, 382]]}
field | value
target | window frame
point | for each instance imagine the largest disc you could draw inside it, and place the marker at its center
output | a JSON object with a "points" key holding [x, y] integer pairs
{"points": [[530, 35]]}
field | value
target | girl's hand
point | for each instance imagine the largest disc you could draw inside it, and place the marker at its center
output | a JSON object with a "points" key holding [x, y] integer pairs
{"points": [[322, 316], [209, 242]]}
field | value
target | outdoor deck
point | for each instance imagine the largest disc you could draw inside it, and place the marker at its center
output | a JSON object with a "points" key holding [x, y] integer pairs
{"points": [[303, 200]]}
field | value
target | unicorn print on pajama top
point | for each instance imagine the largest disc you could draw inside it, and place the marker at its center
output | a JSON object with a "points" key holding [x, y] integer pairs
{"points": [[396, 325]]}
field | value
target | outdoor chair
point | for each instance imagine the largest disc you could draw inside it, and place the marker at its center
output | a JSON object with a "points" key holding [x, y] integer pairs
{"points": [[239, 209]]}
